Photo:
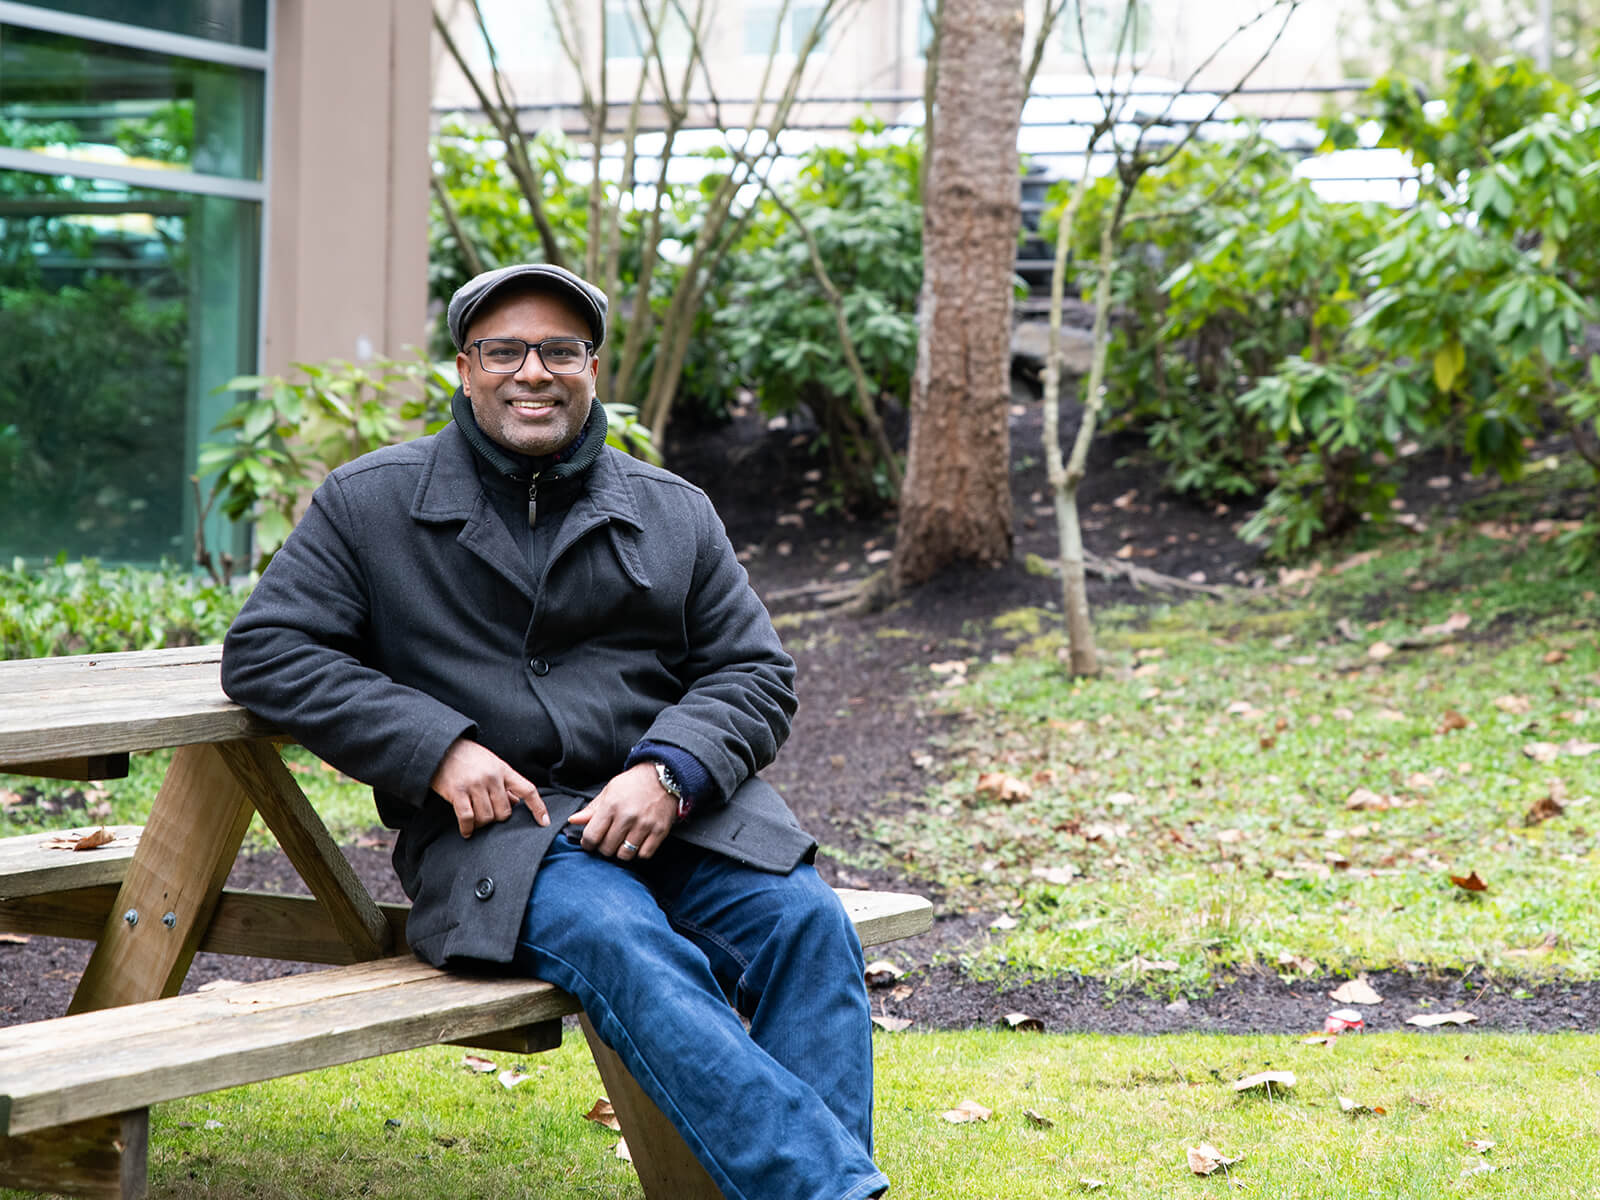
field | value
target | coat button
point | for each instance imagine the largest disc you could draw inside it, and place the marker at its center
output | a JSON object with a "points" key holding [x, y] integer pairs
{"points": [[484, 888], [539, 666]]}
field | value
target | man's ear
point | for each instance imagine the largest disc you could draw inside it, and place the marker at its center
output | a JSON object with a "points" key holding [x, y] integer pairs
{"points": [[461, 370]]}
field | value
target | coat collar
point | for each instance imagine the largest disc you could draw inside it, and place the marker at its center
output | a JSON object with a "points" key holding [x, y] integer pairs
{"points": [[449, 490]]}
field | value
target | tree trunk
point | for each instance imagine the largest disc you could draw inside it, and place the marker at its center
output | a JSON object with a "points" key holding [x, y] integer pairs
{"points": [[955, 503]]}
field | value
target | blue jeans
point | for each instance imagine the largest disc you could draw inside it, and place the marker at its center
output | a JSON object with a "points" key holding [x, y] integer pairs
{"points": [[667, 953]]}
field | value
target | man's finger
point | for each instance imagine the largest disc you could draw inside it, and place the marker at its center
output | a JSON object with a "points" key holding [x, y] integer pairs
{"points": [[535, 802], [464, 818]]}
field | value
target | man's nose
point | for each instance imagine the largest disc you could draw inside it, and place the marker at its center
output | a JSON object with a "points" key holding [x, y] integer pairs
{"points": [[533, 369]]}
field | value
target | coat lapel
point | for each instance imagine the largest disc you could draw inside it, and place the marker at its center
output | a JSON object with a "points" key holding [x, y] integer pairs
{"points": [[449, 491]]}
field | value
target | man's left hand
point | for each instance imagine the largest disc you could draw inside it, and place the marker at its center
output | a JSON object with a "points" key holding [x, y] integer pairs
{"points": [[631, 816]]}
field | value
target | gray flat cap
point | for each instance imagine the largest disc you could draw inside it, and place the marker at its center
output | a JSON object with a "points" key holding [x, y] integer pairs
{"points": [[580, 293]]}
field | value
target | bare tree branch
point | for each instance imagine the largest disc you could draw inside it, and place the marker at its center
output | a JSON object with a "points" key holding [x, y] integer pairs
{"points": [[505, 124], [468, 250]]}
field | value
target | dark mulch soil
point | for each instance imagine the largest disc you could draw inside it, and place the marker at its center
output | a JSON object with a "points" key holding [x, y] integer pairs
{"points": [[860, 723]]}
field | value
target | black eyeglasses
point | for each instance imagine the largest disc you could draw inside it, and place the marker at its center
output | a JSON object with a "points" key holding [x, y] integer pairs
{"points": [[505, 356]]}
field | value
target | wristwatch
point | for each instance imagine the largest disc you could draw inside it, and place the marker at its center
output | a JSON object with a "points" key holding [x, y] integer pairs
{"points": [[669, 781]]}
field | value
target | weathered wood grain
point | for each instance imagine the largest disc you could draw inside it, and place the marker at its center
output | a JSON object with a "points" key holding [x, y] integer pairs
{"points": [[197, 822], [35, 863], [102, 1157], [83, 1065], [667, 1169], [54, 709], [306, 841]]}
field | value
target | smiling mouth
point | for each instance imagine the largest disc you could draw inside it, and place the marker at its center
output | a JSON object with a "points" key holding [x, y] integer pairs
{"points": [[534, 403]]}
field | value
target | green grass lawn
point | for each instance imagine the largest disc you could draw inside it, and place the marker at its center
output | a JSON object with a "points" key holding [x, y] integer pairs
{"points": [[1463, 1115], [1287, 780]]}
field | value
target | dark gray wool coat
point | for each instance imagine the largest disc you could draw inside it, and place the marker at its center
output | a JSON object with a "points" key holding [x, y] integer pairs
{"points": [[400, 616]]}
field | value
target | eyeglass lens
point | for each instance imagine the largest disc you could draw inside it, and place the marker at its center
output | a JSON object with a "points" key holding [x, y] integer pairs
{"points": [[560, 356]]}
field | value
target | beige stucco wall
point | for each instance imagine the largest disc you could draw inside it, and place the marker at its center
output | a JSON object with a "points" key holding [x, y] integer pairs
{"points": [[347, 218]]}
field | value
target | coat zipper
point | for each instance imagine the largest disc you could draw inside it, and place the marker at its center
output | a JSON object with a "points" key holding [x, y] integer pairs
{"points": [[533, 498]]}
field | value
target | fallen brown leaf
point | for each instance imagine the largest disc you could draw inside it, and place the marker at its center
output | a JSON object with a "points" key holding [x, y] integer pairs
{"points": [[622, 1150], [1431, 1020], [1206, 1159], [1513, 704], [509, 1078], [1037, 1120], [1454, 623], [967, 1112], [481, 1065], [1470, 882], [1452, 720], [1543, 809], [892, 1024], [1355, 991], [1542, 752], [1265, 1081], [603, 1114], [99, 837], [880, 971], [1007, 789]]}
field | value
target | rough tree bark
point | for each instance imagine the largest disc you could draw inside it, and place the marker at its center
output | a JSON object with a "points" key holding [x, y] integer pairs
{"points": [[955, 504]]}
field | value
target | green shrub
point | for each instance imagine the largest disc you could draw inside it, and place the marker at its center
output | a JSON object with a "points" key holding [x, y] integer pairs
{"points": [[862, 205], [86, 608]]}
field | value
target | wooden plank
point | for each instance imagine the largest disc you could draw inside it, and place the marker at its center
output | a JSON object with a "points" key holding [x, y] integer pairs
{"points": [[35, 863], [185, 1045], [667, 1170], [295, 928], [305, 839], [91, 705], [94, 766], [102, 1157], [197, 822], [524, 1039], [248, 924], [886, 916]]}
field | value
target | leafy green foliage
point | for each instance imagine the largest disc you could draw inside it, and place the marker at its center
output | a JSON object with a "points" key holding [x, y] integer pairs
{"points": [[862, 205], [85, 607], [1276, 342], [290, 433]]}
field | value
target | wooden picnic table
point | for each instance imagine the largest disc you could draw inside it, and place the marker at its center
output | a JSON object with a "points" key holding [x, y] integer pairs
{"points": [[154, 895]]}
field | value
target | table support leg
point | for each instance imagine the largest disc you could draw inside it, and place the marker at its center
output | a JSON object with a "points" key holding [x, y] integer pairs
{"points": [[104, 1157], [666, 1168], [172, 884]]}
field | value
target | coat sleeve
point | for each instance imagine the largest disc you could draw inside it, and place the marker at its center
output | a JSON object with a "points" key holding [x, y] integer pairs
{"points": [[739, 698], [295, 656]]}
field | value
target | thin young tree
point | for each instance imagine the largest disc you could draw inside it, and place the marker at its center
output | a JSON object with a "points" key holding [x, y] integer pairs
{"points": [[1136, 153]]}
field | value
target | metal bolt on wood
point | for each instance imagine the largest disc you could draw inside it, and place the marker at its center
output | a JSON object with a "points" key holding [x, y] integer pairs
{"points": [[131, 916], [170, 920]]}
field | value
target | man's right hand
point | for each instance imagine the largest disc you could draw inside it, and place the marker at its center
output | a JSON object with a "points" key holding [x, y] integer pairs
{"points": [[481, 787]]}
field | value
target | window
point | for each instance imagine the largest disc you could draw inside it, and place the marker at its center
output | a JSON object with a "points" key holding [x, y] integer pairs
{"points": [[628, 34], [131, 201], [1103, 22], [761, 25]]}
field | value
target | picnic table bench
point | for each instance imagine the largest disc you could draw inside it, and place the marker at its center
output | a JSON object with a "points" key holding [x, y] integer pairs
{"points": [[75, 1090]]}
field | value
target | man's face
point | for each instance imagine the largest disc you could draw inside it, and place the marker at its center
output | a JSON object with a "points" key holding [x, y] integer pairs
{"points": [[532, 411]]}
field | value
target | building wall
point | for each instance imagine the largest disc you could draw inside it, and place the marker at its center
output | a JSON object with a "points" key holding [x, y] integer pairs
{"points": [[874, 50], [347, 235]]}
